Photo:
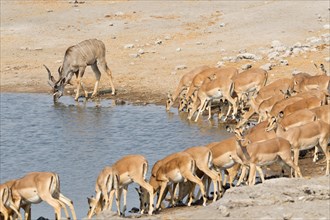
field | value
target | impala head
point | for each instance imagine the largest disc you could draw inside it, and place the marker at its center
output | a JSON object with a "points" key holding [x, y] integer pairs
{"points": [[92, 202], [240, 138], [169, 102], [182, 105], [57, 86]]}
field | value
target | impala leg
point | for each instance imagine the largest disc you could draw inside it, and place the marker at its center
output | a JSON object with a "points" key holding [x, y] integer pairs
{"points": [[69, 203], [324, 146], [295, 159], [105, 67], [161, 192], [27, 210], [54, 203], [117, 200], [149, 188], [201, 109], [289, 162], [125, 199], [197, 181], [15, 209], [214, 178], [261, 174], [252, 174]]}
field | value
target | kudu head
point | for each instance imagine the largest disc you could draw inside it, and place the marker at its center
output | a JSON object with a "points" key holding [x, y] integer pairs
{"points": [[57, 86]]}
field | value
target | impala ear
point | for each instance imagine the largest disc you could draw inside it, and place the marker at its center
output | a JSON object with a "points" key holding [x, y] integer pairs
{"points": [[281, 114]]}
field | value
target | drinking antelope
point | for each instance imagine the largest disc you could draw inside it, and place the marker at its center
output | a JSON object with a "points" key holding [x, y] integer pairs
{"points": [[184, 84], [107, 184], [40, 186], [249, 82], [267, 152], [77, 57], [316, 133], [180, 168]]}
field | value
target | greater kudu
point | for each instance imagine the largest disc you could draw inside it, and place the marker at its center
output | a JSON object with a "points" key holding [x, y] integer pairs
{"points": [[77, 57]]}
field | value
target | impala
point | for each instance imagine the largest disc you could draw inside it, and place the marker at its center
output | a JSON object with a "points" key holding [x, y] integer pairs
{"points": [[133, 168], [226, 154], [280, 105], [203, 157], [206, 76], [316, 133], [319, 82], [274, 89], [180, 168], [322, 113], [221, 87], [184, 84], [266, 152], [306, 103], [107, 183], [7, 206], [40, 186], [86, 53], [249, 82]]}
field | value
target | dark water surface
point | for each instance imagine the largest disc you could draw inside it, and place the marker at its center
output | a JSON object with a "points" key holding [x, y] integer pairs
{"points": [[76, 140]]}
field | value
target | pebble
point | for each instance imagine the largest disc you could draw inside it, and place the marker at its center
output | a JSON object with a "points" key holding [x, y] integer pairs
{"points": [[246, 66], [327, 59], [178, 49], [248, 56], [180, 67], [267, 66], [134, 55], [224, 211], [128, 46], [158, 41]]}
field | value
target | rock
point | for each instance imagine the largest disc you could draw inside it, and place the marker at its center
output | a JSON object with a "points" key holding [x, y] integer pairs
{"points": [[219, 64], [246, 66], [276, 43], [326, 26], [267, 66], [273, 55], [284, 62], [134, 55], [327, 59], [178, 49], [180, 67], [158, 41], [287, 216], [224, 211], [248, 56], [140, 51], [119, 13], [129, 46], [167, 38], [222, 24]]}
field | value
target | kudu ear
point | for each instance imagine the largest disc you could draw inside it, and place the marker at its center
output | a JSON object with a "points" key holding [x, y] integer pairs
{"points": [[51, 79]]}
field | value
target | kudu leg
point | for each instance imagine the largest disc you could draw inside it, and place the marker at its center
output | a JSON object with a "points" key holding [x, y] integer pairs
{"points": [[105, 67], [97, 76], [80, 74]]}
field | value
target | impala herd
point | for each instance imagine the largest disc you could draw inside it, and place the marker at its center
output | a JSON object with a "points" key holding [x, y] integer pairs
{"points": [[292, 115]]}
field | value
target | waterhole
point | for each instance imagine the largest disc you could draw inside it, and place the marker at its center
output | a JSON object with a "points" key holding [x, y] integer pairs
{"points": [[77, 139]]}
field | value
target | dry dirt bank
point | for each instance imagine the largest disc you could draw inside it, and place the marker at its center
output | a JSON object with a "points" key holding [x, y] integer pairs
{"points": [[148, 42]]}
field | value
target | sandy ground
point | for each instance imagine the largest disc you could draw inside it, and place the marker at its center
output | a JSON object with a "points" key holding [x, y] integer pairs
{"points": [[148, 42]]}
